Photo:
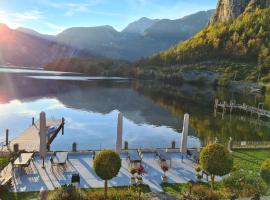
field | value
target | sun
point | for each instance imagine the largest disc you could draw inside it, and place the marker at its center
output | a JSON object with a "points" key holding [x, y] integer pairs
{"points": [[3, 18]]}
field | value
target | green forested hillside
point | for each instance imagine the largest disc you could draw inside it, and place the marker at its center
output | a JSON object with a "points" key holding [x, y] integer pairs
{"points": [[93, 66], [243, 40]]}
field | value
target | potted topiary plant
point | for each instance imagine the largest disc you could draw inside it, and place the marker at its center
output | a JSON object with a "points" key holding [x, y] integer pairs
{"points": [[164, 178], [198, 169], [140, 172], [133, 171]]}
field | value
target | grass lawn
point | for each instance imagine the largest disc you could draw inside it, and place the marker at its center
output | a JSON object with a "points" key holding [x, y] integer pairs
{"points": [[250, 160], [19, 196], [121, 191], [4, 162]]}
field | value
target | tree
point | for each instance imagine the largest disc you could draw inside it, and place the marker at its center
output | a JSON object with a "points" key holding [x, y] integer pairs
{"points": [[265, 171], [107, 165], [216, 160]]}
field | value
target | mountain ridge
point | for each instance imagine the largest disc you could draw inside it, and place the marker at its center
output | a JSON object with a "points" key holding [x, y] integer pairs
{"points": [[22, 49], [133, 46], [231, 9], [139, 26]]}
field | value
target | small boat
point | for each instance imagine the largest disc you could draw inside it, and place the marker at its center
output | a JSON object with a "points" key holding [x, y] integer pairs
{"points": [[256, 90]]}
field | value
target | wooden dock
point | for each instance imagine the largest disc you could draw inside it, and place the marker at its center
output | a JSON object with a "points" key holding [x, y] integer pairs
{"points": [[29, 139], [232, 105]]}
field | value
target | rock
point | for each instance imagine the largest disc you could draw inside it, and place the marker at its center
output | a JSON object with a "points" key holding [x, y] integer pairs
{"points": [[230, 9]]}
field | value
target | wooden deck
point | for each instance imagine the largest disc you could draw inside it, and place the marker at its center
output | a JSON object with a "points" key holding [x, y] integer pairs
{"points": [[29, 139]]}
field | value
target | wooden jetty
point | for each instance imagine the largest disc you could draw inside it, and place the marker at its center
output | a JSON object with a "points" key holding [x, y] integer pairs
{"points": [[232, 105], [29, 139]]}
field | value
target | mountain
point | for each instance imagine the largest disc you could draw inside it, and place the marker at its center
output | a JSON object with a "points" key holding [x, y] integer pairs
{"points": [[231, 9], [35, 33], [22, 49], [174, 31], [140, 39], [131, 43], [139, 26], [239, 47]]}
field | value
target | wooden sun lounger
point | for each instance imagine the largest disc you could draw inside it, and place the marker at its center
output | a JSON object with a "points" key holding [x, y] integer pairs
{"points": [[23, 160], [5, 180], [163, 156], [133, 156], [60, 158]]}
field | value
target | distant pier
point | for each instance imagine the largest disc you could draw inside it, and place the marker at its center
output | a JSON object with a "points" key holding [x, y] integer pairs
{"points": [[232, 105]]}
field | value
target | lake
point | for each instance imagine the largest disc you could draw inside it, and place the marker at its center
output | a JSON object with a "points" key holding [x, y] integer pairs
{"points": [[152, 111]]}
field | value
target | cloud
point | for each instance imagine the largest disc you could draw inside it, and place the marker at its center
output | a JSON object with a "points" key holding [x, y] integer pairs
{"points": [[71, 8], [29, 15], [56, 28], [17, 19]]}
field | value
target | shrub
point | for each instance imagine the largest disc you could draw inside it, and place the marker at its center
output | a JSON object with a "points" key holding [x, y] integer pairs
{"points": [[265, 171], [244, 185], [203, 192], [216, 160], [69, 192]]}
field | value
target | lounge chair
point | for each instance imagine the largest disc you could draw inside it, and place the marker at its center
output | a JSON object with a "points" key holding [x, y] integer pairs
{"points": [[164, 157], [5, 180], [23, 160], [59, 158], [134, 157]]}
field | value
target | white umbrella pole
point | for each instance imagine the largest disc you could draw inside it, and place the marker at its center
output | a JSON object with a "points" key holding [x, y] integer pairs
{"points": [[119, 133], [183, 146], [42, 136]]}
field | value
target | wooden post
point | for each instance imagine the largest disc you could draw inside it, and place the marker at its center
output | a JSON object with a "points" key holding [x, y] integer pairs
{"points": [[63, 124], [7, 137], [173, 144], [33, 121], [224, 109], [74, 146], [126, 145]]}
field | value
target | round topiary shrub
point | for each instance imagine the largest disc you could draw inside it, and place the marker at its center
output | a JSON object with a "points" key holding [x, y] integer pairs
{"points": [[69, 192], [107, 165], [265, 171], [216, 160]]}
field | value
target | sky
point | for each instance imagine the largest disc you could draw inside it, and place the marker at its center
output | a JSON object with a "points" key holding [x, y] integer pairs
{"points": [[54, 16]]}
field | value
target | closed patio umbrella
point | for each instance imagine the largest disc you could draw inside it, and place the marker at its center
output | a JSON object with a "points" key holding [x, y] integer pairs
{"points": [[42, 136], [119, 133], [183, 146]]}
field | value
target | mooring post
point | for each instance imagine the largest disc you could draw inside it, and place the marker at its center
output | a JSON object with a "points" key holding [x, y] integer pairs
{"points": [[63, 125], [173, 144], [7, 137], [224, 109], [126, 145], [74, 146]]}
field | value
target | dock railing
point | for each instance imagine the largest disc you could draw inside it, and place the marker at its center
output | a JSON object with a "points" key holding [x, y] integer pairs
{"points": [[250, 145]]}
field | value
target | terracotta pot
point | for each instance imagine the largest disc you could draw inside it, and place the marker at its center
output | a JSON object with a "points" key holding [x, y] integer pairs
{"points": [[164, 179], [132, 180], [139, 180]]}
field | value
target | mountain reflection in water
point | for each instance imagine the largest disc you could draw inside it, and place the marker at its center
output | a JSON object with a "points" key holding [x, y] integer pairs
{"points": [[152, 111]]}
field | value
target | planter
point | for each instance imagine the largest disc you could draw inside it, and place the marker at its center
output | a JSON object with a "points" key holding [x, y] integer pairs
{"points": [[139, 180], [133, 180], [164, 179]]}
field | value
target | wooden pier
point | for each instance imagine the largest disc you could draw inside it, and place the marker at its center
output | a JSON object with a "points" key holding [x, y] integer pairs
{"points": [[29, 139], [232, 105]]}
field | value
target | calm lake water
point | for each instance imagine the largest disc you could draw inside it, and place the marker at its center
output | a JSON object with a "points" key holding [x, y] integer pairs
{"points": [[152, 111]]}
